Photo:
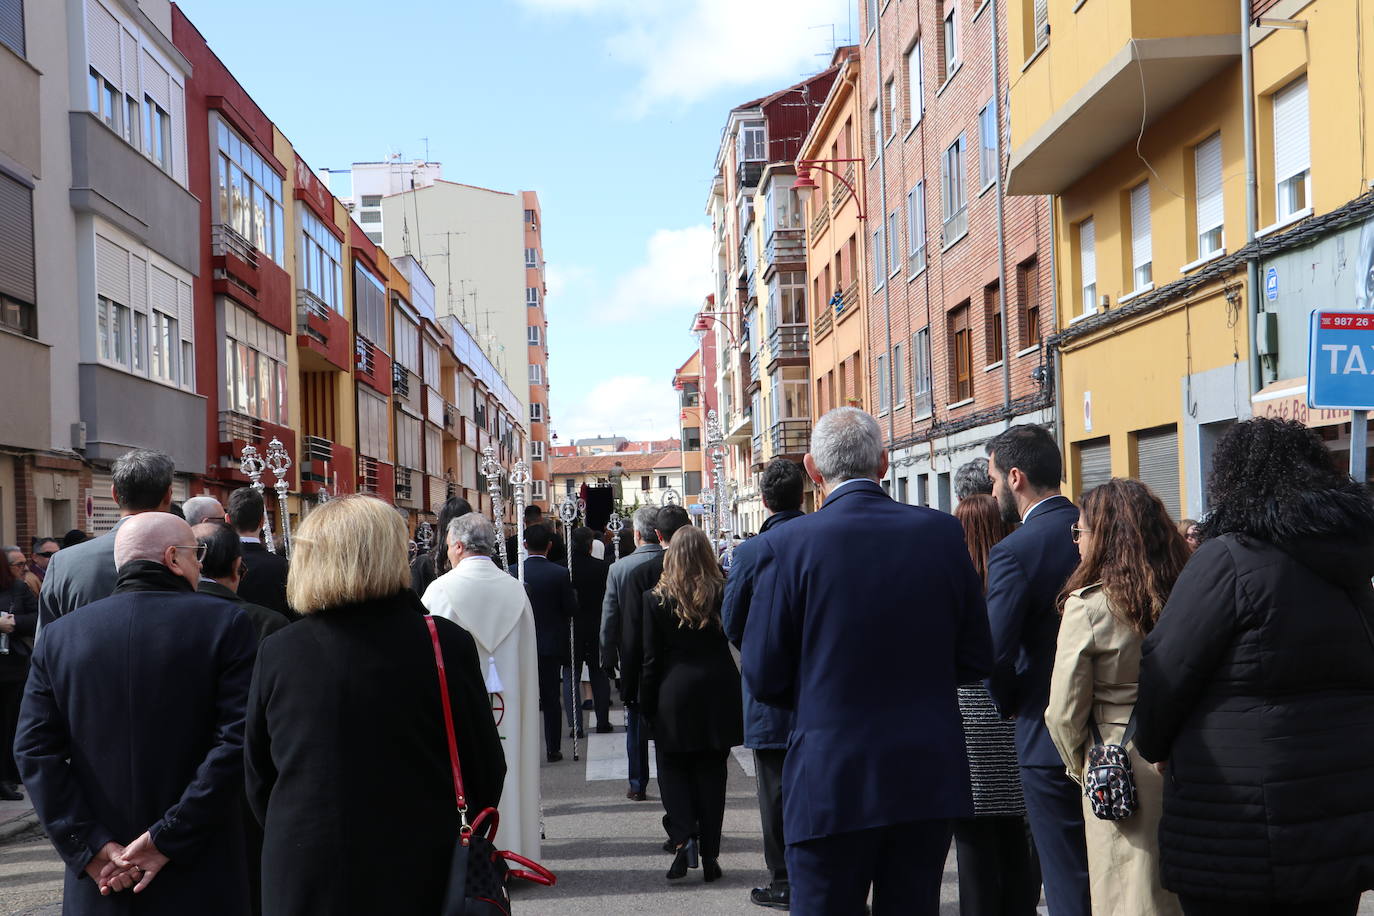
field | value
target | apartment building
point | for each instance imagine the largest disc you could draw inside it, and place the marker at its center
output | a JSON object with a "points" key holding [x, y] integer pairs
{"points": [[692, 409], [958, 273], [645, 480]]}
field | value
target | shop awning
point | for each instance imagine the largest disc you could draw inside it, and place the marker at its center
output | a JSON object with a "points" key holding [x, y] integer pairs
{"points": [[1286, 399]]}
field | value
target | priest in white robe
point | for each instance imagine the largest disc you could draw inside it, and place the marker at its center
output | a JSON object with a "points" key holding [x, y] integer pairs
{"points": [[490, 604]]}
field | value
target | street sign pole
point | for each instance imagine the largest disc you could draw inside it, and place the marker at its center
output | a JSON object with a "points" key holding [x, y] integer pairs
{"points": [[1341, 377], [1359, 444]]}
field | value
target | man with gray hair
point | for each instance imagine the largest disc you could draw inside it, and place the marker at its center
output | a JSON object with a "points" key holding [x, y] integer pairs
{"points": [[972, 479], [867, 615], [202, 508], [85, 573], [491, 605], [131, 732], [621, 648]]}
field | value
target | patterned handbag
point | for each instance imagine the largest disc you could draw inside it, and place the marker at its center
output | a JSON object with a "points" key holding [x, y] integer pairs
{"points": [[1108, 780]]}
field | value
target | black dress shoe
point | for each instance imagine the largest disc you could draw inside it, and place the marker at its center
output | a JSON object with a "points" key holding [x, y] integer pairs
{"points": [[668, 846], [710, 869], [693, 859], [632, 795], [771, 897], [679, 867], [10, 792], [553, 756], [605, 728]]}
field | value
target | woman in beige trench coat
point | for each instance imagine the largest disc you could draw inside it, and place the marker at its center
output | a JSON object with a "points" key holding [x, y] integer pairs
{"points": [[1131, 554]]}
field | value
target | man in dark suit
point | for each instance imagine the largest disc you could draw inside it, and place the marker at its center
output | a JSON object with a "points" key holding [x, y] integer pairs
{"points": [[86, 572], [866, 617], [221, 572], [554, 604], [558, 551], [264, 581], [131, 732], [766, 728], [1026, 572], [589, 582]]}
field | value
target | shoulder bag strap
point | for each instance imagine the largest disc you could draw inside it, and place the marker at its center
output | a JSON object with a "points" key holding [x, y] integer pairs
{"points": [[458, 792]]}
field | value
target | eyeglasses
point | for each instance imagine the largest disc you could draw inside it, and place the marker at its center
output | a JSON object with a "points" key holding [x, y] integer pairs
{"points": [[1078, 533], [46, 554], [198, 548], [17, 564]]}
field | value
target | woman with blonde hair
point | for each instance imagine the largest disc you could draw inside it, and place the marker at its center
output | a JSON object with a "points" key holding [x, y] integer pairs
{"points": [[346, 747], [690, 693]]}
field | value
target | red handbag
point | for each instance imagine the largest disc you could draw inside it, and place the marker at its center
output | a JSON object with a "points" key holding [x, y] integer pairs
{"points": [[479, 872]]}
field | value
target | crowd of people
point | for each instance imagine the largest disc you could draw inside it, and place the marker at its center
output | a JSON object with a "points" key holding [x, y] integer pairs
{"points": [[219, 731]]}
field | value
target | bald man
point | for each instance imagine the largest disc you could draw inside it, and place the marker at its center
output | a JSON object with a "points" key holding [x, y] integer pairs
{"points": [[131, 733], [199, 509]]}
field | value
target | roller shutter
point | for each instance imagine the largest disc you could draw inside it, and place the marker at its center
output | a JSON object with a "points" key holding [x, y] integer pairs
{"points": [[16, 241], [1157, 465], [1094, 464]]}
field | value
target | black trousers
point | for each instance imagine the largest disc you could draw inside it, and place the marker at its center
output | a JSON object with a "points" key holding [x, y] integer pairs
{"points": [[1205, 906], [903, 863], [550, 671], [693, 788], [999, 873], [768, 773], [1054, 806], [587, 654], [10, 695]]}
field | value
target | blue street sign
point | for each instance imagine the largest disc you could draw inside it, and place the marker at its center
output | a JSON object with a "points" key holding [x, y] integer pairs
{"points": [[1271, 284], [1340, 366]]}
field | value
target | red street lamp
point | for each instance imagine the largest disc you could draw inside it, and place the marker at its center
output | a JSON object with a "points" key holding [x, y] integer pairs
{"points": [[805, 184], [702, 324]]}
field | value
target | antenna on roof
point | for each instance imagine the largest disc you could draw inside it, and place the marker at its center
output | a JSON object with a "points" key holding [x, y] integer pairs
{"points": [[425, 140]]}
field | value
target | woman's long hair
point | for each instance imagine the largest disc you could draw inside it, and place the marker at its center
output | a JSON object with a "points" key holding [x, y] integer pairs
{"points": [[1133, 549], [1275, 480], [983, 528], [455, 507], [692, 581]]}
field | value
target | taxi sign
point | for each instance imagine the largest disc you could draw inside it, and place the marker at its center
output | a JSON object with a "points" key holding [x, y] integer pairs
{"points": [[1340, 368]]}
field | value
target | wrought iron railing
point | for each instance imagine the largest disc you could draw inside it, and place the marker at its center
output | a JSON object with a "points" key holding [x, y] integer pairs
{"points": [[822, 219], [366, 357], [400, 380], [749, 173], [790, 437], [225, 239], [789, 341], [234, 425], [786, 246]]}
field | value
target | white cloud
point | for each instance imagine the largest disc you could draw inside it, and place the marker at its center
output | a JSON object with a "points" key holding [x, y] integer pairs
{"points": [[561, 278], [675, 276], [686, 50], [633, 406]]}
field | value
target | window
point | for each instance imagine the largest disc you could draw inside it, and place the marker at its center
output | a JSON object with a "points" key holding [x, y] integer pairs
{"points": [[532, 296], [949, 44], [536, 374], [321, 252], [691, 438], [157, 133], [916, 229], [875, 115], [18, 276], [132, 134], [692, 482], [532, 335], [961, 354], [894, 239], [1211, 236], [1292, 150], [1142, 249], [987, 145], [250, 194], [255, 373], [536, 412], [663, 481], [787, 299], [105, 100], [408, 442], [370, 200], [872, 9], [1087, 267], [920, 370], [529, 217], [166, 347], [752, 145], [369, 306], [884, 401], [539, 491], [1028, 301], [953, 197], [12, 25], [894, 114], [537, 450], [406, 344], [644, 482], [1037, 14], [915, 99], [531, 257], [879, 268], [112, 330], [992, 323], [898, 381], [373, 428]]}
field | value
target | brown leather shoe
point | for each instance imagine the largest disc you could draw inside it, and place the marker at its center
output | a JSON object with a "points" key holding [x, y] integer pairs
{"points": [[632, 795]]}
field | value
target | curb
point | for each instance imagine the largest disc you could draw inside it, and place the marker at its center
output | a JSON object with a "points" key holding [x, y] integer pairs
{"points": [[18, 825]]}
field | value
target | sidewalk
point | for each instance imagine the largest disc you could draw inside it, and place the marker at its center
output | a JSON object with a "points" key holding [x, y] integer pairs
{"points": [[16, 817]]}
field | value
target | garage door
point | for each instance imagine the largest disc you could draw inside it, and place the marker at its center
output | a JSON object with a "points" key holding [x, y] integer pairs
{"points": [[1094, 464], [1157, 465]]}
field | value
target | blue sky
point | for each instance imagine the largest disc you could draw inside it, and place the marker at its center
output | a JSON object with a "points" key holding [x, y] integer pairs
{"points": [[610, 109]]}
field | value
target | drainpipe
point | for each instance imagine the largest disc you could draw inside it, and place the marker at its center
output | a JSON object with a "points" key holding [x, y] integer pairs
{"points": [[1058, 402], [1247, 72], [881, 144], [1001, 222]]}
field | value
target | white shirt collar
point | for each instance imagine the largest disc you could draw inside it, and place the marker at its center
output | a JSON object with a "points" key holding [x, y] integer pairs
{"points": [[1038, 505], [472, 558], [247, 540]]}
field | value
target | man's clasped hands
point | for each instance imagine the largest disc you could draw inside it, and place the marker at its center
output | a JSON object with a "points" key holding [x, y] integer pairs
{"points": [[118, 868]]}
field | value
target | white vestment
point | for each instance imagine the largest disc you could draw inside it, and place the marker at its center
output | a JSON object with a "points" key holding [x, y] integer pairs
{"points": [[492, 606]]}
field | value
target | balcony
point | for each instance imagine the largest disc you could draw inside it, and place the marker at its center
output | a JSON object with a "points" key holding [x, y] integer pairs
{"points": [[316, 464], [400, 380], [850, 300], [405, 490], [237, 430], [453, 421], [226, 240], [739, 426], [747, 174], [790, 438], [756, 451], [234, 425], [822, 219], [837, 197], [789, 344], [753, 375], [823, 323], [786, 248], [366, 354]]}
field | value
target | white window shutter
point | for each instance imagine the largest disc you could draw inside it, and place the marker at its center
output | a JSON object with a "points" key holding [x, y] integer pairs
{"points": [[111, 270], [178, 112], [130, 63], [157, 82], [1292, 152], [102, 40], [138, 284], [1141, 247], [1087, 254], [186, 317], [1207, 168], [1042, 20]]}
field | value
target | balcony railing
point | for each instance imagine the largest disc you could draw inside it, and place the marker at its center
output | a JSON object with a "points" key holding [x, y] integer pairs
{"points": [[226, 239], [822, 220], [753, 370], [786, 246], [790, 437], [789, 341], [851, 297], [234, 425], [316, 448], [751, 287], [841, 190], [749, 173], [756, 450], [956, 226], [400, 380], [309, 305], [368, 479], [823, 322], [366, 357], [405, 491]]}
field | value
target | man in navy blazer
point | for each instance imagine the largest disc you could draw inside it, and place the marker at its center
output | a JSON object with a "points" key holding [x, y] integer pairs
{"points": [[554, 604], [1026, 572], [866, 617]]}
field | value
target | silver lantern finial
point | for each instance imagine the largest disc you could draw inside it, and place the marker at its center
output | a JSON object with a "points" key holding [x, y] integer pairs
{"points": [[278, 461], [492, 470], [252, 466]]}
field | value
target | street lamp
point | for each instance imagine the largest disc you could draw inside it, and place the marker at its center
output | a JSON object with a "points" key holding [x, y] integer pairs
{"points": [[702, 325], [805, 185]]}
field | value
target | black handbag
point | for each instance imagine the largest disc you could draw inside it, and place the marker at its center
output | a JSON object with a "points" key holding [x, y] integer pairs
{"points": [[478, 871], [1108, 780]]}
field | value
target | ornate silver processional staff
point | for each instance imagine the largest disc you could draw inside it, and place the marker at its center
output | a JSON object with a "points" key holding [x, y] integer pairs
{"points": [[492, 470], [615, 525], [279, 462], [567, 514], [252, 466], [519, 484], [715, 442]]}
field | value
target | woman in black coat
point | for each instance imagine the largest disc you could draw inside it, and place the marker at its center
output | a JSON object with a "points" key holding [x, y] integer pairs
{"points": [[690, 692], [346, 749], [18, 618], [1257, 687], [427, 567]]}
